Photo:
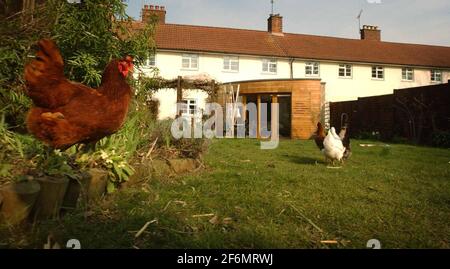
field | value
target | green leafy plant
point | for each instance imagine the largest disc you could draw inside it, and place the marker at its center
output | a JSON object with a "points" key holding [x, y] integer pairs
{"points": [[9, 140], [16, 152], [116, 163], [56, 163], [86, 64]]}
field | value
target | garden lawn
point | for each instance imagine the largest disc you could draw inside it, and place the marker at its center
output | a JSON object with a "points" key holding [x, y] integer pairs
{"points": [[283, 198]]}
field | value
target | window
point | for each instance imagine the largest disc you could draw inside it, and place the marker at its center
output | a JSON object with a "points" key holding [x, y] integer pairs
{"points": [[151, 61], [312, 69], [231, 63], [436, 76], [377, 72], [190, 61], [189, 107], [269, 66], [407, 74], [345, 70]]}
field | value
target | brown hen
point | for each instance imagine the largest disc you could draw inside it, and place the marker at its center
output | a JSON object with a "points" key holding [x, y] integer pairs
{"points": [[66, 113]]}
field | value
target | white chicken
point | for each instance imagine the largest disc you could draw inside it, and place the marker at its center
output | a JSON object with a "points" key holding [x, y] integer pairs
{"points": [[333, 147]]}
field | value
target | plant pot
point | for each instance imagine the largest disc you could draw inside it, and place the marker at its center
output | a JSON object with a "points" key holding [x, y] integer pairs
{"points": [[181, 166], [90, 186], [161, 169], [95, 185], [50, 199], [18, 200], [75, 188], [142, 172]]}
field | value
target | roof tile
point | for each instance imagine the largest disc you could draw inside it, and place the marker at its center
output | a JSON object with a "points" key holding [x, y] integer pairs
{"points": [[261, 43]]}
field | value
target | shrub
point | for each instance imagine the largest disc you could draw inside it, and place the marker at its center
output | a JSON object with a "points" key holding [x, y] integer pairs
{"points": [[88, 39], [441, 139]]}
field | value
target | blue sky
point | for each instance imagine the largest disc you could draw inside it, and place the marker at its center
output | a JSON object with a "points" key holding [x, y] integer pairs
{"points": [[409, 21]]}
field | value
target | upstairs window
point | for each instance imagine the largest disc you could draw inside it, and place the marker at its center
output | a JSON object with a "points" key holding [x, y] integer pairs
{"points": [[231, 64], [269, 66], [436, 76], [312, 69], [189, 62], [407, 74], [345, 70], [377, 72]]}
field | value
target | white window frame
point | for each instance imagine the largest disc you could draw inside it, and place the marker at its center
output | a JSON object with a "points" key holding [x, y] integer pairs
{"points": [[229, 62], [406, 72], [347, 69], [376, 70], [151, 58], [433, 75], [186, 110], [190, 58], [312, 69], [270, 66]]}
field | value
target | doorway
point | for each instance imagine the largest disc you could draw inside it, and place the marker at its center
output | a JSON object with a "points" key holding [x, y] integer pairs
{"points": [[285, 117]]}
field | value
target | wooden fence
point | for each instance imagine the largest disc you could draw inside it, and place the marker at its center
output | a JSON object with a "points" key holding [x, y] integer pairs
{"points": [[414, 114]]}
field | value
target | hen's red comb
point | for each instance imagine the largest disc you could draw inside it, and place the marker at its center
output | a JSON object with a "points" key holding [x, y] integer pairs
{"points": [[129, 59]]}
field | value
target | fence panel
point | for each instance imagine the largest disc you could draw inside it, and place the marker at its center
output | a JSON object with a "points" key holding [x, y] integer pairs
{"points": [[415, 113]]}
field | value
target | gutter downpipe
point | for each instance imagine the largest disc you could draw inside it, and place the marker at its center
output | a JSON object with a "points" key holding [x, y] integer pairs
{"points": [[291, 65]]}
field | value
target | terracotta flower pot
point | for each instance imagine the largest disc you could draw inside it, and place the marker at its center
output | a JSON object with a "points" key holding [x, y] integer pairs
{"points": [[75, 188], [90, 186], [50, 199], [18, 200]]}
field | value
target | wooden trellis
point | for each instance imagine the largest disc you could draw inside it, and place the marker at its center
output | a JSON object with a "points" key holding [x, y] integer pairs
{"points": [[180, 84]]}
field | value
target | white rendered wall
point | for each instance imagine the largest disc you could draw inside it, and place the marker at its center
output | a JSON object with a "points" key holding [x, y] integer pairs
{"points": [[360, 84]]}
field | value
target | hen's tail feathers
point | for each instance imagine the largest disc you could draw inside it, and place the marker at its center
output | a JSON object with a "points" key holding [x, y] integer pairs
{"points": [[49, 53], [345, 137], [319, 136], [48, 62], [343, 132]]}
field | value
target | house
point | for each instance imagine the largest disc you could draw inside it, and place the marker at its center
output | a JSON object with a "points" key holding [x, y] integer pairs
{"points": [[305, 71]]}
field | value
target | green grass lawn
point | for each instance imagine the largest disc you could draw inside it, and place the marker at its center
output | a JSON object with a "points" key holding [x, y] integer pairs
{"points": [[283, 198]]}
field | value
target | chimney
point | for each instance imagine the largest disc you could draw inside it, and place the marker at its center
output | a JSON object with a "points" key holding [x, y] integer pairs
{"points": [[275, 24], [149, 11], [371, 33]]}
